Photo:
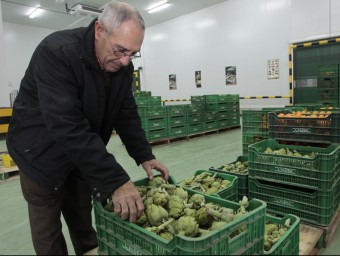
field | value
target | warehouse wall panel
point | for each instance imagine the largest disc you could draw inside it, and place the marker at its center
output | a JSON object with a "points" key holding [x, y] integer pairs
{"points": [[20, 43], [244, 33]]}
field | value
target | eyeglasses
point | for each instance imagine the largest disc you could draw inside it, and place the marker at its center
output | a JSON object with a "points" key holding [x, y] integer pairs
{"points": [[120, 53], [124, 53]]}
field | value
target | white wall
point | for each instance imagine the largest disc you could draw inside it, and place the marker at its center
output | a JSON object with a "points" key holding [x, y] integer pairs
{"points": [[4, 95], [20, 43], [245, 33]]}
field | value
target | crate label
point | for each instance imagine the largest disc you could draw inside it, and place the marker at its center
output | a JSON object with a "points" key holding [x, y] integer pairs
{"points": [[131, 250], [283, 202], [284, 170], [301, 130]]}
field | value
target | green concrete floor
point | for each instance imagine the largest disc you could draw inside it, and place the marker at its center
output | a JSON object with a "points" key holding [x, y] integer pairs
{"points": [[182, 158]]}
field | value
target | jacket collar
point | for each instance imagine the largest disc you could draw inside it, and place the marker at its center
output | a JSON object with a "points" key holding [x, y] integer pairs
{"points": [[87, 54]]}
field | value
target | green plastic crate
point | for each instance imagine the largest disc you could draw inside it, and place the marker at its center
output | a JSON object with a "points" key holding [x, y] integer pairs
{"points": [[179, 131], [156, 135], [229, 193], [312, 206], [119, 237], [216, 106], [197, 99], [242, 179], [156, 123], [195, 108], [177, 110], [314, 130], [222, 115], [176, 121], [195, 118], [318, 173], [223, 124], [156, 112], [289, 242], [211, 98], [210, 126], [251, 138], [195, 128], [209, 116]]}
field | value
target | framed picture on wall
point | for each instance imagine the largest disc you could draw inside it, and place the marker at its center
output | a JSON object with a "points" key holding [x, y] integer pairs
{"points": [[230, 75], [172, 82], [198, 79], [273, 69]]}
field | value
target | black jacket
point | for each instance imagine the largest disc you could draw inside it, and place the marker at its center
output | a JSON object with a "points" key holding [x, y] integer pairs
{"points": [[63, 118]]}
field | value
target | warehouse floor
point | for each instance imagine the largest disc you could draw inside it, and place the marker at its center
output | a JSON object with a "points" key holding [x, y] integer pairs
{"points": [[182, 158]]}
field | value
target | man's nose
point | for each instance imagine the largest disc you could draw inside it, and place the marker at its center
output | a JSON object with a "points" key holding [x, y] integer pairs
{"points": [[125, 60]]}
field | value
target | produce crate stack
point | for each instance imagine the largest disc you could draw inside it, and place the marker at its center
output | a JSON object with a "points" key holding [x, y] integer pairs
{"points": [[328, 85], [233, 110], [299, 180], [153, 116], [177, 121], [195, 112], [216, 111], [254, 127]]}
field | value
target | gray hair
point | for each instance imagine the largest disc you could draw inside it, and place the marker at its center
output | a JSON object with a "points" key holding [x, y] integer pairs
{"points": [[115, 13]]}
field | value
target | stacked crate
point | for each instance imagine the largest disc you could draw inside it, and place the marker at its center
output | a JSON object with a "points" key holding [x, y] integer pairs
{"points": [[195, 112], [153, 116], [233, 110], [177, 121], [328, 85], [306, 187], [254, 127], [290, 184]]}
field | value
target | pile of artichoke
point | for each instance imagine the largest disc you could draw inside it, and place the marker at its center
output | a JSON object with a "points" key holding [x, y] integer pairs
{"points": [[274, 232], [287, 152], [206, 183], [237, 167], [170, 211]]}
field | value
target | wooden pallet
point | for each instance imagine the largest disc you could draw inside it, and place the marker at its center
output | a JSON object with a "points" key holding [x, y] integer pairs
{"points": [[313, 238], [8, 172]]}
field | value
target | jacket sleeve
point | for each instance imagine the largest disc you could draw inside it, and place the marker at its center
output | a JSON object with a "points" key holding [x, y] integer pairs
{"points": [[130, 130], [61, 109]]}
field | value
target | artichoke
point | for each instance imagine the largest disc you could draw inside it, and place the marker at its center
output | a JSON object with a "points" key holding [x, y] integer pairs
{"points": [[156, 214], [197, 200], [203, 219], [175, 206], [186, 226], [156, 182]]}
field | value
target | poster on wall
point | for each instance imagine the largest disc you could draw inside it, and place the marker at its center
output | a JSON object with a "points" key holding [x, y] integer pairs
{"points": [[273, 69], [172, 82], [230, 75], [198, 79]]}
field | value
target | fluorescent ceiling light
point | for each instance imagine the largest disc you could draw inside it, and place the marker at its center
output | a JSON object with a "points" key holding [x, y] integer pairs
{"points": [[36, 12], [157, 7], [84, 10]]}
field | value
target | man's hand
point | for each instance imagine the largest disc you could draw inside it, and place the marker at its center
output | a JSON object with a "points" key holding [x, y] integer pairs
{"points": [[154, 164], [127, 202]]}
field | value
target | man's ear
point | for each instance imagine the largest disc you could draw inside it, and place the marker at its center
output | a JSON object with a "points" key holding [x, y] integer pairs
{"points": [[99, 30]]}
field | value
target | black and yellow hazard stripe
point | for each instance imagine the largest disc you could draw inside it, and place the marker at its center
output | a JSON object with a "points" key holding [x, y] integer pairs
{"points": [[301, 45], [263, 97], [176, 100], [5, 116]]}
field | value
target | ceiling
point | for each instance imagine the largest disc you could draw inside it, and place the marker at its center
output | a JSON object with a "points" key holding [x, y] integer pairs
{"points": [[55, 15]]}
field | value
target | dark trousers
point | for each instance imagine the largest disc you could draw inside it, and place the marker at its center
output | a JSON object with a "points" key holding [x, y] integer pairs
{"points": [[73, 200]]}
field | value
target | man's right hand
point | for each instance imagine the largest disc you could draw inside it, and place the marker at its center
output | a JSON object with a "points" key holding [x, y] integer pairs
{"points": [[128, 202]]}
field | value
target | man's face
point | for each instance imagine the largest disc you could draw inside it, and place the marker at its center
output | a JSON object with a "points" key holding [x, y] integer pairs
{"points": [[115, 50]]}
